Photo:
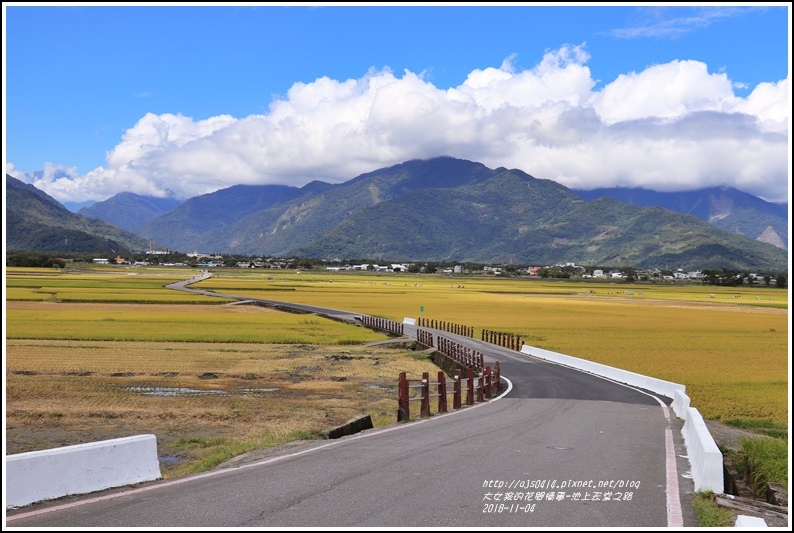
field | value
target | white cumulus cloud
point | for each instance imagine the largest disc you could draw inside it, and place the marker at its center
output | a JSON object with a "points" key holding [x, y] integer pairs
{"points": [[672, 126]]}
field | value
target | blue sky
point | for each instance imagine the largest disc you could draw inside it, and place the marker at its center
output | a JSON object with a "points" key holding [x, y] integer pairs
{"points": [[184, 100]]}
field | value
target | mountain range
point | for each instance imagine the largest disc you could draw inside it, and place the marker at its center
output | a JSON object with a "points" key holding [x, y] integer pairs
{"points": [[448, 209], [725, 207], [37, 222], [129, 211]]}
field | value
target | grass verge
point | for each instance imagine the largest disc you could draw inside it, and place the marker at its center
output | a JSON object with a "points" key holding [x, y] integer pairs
{"points": [[708, 513], [763, 427], [217, 450]]}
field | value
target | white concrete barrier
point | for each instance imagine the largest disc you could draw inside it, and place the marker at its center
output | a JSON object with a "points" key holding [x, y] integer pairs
{"points": [[750, 521], [681, 404], [46, 474], [665, 388], [409, 321], [705, 457]]}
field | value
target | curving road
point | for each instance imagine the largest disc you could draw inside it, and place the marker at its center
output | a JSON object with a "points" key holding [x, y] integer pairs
{"points": [[559, 448]]}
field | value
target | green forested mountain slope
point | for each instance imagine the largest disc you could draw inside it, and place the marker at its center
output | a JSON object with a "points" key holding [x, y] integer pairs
{"points": [[37, 222]]}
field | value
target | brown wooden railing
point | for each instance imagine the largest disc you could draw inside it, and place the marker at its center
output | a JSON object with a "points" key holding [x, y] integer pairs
{"points": [[383, 324], [425, 337], [480, 382], [450, 327], [508, 340], [479, 387], [461, 354]]}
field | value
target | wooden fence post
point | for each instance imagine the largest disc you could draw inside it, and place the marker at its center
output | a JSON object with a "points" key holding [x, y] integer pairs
{"points": [[442, 392], [469, 386], [456, 390], [404, 409], [425, 409], [479, 387]]}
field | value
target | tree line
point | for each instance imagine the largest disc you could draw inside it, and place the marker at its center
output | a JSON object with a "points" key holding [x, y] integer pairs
{"points": [[719, 277]]}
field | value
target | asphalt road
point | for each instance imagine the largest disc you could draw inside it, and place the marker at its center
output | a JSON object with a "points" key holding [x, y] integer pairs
{"points": [[560, 448]]}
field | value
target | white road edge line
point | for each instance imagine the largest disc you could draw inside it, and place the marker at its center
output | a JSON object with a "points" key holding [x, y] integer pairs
{"points": [[675, 517], [212, 473]]}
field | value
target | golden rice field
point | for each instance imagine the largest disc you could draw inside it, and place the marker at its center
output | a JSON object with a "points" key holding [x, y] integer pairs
{"points": [[109, 352], [195, 397], [210, 381], [728, 346], [174, 322]]}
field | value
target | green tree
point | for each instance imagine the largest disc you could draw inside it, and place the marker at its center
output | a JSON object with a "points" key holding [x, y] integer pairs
{"points": [[631, 274], [711, 277], [32, 259]]}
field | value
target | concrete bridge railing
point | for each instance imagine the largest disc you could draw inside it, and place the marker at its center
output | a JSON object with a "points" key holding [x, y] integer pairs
{"points": [[704, 455], [80, 469]]}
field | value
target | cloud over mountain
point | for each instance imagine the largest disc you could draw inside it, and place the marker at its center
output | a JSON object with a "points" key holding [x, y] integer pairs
{"points": [[670, 127]]}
